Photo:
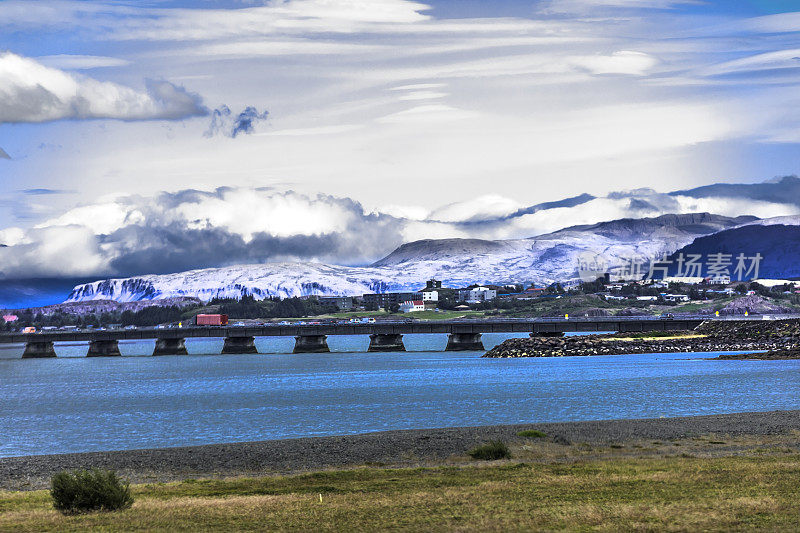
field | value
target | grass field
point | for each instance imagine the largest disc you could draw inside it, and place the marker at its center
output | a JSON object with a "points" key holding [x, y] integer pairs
{"points": [[418, 315], [671, 493]]}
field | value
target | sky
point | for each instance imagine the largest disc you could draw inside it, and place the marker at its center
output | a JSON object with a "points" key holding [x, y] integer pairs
{"points": [[140, 137]]}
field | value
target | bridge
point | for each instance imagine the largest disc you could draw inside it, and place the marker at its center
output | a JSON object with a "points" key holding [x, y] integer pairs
{"points": [[384, 336]]}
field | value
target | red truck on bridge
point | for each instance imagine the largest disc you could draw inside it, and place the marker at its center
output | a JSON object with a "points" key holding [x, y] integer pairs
{"points": [[211, 320]]}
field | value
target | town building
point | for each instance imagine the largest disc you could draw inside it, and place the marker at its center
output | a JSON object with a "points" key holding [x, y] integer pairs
{"points": [[613, 297], [412, 306], [430, 296], [433, 284], [684, 279], [388, 299], [342, 303], [675, 297], [478, 294]]}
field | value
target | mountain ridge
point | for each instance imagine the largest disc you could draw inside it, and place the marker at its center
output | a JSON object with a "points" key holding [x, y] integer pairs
{"points": [[457, 262]]}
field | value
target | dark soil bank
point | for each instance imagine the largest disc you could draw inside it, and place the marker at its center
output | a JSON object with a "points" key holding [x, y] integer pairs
{"points": [[400, 448], [710, 336]]}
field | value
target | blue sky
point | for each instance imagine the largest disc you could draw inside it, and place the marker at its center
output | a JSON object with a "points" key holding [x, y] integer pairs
{"points": [[428, 113]]}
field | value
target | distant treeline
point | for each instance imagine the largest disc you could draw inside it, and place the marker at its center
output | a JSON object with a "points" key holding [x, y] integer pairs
{"points": [[149, 316], [249, 307]]}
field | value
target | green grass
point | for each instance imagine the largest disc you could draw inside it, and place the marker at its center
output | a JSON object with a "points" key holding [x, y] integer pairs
{"points": [[344, 315], [419, 315], [444, 315], [675, 493], [532, 434]]}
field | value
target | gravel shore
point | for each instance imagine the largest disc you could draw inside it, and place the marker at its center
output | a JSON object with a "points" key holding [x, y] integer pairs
{"points": [[395, 448]]}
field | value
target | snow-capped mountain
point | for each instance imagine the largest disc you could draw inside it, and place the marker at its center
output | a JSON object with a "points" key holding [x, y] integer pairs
{"points": [[457, 262]]}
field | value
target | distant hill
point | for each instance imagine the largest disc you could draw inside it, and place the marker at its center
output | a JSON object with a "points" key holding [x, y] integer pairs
{"points": [[780, 191], [779, 244]]}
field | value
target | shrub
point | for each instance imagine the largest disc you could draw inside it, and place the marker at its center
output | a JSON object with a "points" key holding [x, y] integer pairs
{"points": [[491, 451], [533, 434], [83, 491]]}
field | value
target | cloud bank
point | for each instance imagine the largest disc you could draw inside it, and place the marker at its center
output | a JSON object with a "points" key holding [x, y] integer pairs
{"points": [[33, 92], [188, 229]]}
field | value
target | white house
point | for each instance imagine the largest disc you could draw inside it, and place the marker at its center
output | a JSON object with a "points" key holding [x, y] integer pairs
{"points": [[430, 296], [685, 279], [675, 297], [412, 306], [614, 297]]}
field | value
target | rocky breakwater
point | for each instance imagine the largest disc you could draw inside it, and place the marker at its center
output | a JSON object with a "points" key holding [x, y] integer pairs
{"points": [[772, 355], [710, 336]]}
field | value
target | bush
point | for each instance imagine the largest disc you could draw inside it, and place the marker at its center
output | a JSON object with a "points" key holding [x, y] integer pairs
{"points": [[83, 491], [533, 434], [492, 451]]}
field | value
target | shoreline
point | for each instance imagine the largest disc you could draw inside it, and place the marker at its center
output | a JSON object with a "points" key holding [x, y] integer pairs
{"points": [[398, 448]]}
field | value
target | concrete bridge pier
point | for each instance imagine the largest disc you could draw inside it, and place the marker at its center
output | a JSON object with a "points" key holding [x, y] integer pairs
{"points": [[38, 350], [170, 347], [386, 342], [245, 344], [311, 344], [103, 348], [464, 342]]}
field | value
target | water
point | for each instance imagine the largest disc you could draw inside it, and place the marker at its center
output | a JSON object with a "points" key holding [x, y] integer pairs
{"points": [[73, 404]]}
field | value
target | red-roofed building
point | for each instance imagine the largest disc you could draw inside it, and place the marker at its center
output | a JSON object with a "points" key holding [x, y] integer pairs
{"points": [[412, 306]]}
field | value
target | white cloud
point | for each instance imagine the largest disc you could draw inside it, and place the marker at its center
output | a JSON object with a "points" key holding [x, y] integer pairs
{"points": [[418, 87], [262, 48], [280, 215], [285, 16], [193, 229], [58, 251], [101, 218], [422, 95], [428, 113], [32, 92], [779, 59], [778, 23], [410, 212], [622, 62], [322, 130], [80, 62], [736, 206], [485, 207], [580, 6]]}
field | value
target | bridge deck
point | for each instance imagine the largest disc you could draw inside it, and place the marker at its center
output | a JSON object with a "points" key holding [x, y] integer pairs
{"points": [[401, 328]]}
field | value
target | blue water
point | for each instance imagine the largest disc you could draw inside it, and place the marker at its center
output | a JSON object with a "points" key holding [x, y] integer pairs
{"points": [[72, 404]]}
